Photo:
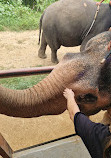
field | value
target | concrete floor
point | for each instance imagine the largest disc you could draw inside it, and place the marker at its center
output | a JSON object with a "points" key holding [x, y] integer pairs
{"points": [[71, 147]]}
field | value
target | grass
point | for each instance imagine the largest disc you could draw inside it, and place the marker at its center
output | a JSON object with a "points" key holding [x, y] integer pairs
{"points": [[21, 82]]}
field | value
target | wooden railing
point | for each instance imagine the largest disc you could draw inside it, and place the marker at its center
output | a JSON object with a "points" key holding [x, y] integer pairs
{"points": [[5, 149]]}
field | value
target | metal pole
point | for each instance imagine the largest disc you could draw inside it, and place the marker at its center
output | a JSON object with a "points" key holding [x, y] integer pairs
{"points": [[25, 71]]}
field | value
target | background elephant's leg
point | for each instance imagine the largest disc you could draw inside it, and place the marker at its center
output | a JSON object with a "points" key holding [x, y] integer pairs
{"points": [[54, 56], [41, 52], [54, 45]]}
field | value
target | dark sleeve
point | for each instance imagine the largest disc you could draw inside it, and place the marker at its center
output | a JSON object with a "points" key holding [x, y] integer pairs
{"points": [[92, 134]]}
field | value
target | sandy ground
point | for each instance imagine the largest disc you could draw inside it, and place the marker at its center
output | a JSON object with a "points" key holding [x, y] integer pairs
{"points": [[19, 50]]}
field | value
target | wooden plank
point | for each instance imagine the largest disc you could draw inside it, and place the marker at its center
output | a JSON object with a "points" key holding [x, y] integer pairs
{"points": [[5, 149]]}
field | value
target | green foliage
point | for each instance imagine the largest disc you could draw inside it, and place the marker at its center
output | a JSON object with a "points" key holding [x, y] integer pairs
{"points": [[11, 10], [42, 4], [15, 16], [39, 5], [21, 14]]}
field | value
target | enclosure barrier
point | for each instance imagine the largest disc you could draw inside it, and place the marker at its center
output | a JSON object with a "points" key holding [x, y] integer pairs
{"points": [[5, 149]]}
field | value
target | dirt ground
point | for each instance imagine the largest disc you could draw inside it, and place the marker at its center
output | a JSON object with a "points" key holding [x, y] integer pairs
{"points": [[19, 50]]}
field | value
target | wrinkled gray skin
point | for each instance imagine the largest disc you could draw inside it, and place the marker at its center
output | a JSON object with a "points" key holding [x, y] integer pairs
{"points": [[78, 71], [66, 23]]}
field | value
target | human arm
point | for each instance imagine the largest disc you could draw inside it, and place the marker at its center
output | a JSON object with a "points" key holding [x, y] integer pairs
{"points": [[71, 103], [92, 134], [81, 122]]}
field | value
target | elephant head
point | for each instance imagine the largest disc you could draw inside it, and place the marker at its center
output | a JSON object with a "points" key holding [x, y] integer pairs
{"points": [[80, 71]]}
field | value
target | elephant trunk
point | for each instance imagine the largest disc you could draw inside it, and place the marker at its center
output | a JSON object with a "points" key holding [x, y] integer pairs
{"points": [[42, 99]]}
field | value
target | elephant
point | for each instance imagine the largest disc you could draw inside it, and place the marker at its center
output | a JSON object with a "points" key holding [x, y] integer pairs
{"points": [[67, 22], [82, 72]]}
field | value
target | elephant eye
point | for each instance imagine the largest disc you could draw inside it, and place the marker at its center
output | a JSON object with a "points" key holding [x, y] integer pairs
{"points": [[87, 98]]}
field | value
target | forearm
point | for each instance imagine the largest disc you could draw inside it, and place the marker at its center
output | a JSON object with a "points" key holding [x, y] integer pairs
{"points": [[72, 108], [71, 103]]}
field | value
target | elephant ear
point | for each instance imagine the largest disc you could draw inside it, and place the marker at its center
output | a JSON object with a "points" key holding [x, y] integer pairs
{"points": [[98, 42], [104, 80]]}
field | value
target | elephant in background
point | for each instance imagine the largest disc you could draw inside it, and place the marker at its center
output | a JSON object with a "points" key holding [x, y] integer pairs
{"points": [[82, 72], [66, 23]]}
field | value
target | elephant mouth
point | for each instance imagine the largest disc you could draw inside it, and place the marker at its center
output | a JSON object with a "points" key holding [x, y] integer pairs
{"points": [[87, 98], [89, 113]]}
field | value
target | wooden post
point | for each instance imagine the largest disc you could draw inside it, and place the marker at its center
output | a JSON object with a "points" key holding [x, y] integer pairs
{"points": [[5, 149]]}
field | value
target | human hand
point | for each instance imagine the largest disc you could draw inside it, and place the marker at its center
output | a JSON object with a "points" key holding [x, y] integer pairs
{"points": [[72, 106], [98, 3], [68, 93]]}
